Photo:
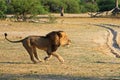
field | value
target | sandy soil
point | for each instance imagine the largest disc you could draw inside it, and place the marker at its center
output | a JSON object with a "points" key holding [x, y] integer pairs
{"points": [[89, 57]]}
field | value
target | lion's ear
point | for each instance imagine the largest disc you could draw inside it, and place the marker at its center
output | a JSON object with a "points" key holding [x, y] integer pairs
{"points": [[59, 34]]}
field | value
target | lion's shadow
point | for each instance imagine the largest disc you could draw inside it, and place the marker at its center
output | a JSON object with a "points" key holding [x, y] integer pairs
{"points": [[45, 77], [53, 77], [15, 62], [104, 62]]}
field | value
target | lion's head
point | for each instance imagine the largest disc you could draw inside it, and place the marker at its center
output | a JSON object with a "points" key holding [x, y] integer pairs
{"points": [[58, 38], [63, 38]]}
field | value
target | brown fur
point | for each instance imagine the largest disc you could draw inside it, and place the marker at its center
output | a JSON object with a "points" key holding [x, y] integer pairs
{"points": [[48, 43]]}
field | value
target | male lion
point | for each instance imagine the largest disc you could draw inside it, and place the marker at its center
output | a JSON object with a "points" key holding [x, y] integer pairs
{"points": [[48, 43]]}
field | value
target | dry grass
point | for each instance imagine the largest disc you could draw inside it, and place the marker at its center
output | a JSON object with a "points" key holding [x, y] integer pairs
{"points": [[87, 58]]}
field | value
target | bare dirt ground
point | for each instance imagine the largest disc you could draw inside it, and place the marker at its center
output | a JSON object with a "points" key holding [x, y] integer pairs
{"points": [[91, 56]]}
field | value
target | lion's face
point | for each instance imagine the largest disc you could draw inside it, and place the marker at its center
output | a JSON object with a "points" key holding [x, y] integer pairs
{"points": [[64, 39], [58, 38]]}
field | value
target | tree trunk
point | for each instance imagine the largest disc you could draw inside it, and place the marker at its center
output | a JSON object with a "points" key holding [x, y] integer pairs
{"points": [[62, 11], [93, 1], [116, 3], [8, 1], [116, 10]]}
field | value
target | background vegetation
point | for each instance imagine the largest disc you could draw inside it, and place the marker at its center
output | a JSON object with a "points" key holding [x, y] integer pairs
{"points": [[22, 7]]}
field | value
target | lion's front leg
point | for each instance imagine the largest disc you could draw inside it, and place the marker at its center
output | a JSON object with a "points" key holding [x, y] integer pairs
{"points": [[58, 57], [48, 57], [50, 54]]}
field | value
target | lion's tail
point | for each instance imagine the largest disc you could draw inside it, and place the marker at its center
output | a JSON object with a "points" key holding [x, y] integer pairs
{"points": [[10, 40]]}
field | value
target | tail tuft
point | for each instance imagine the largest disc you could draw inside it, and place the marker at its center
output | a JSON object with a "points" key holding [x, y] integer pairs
{"points": [[5, 34]]}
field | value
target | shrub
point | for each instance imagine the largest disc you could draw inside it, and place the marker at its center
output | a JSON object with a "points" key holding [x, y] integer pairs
{"points": [[72, 6], [106, 5], [52, 5], [2, 15], [51, 18], [3, 9], [21, 8], [88, 7]]}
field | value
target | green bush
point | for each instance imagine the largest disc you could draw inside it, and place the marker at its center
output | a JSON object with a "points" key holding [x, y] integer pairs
{"points": [[52, 5], [72, 6], [91, 7], [23, 7], [2, 15], [3, 9], [88, 7], [34, 7], [51, 18], [106, 5], [3, 6]]}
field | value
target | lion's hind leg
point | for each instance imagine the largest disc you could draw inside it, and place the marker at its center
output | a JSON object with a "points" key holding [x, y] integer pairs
{"points": [[36, 55], [30, 51]]}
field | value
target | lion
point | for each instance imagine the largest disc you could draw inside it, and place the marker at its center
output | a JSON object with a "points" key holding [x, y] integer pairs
{"points": [[48, 43]]}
